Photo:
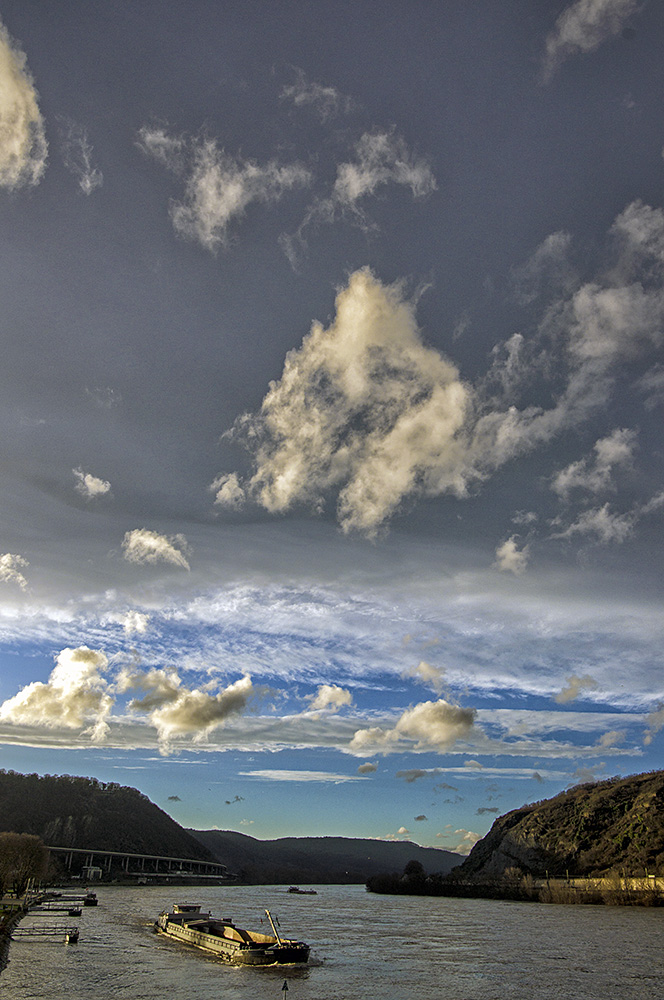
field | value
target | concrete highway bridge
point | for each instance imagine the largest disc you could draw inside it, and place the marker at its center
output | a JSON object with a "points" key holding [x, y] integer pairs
{"points": [[91, 863]]}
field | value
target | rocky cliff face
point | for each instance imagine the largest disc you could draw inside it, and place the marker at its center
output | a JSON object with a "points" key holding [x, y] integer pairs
{"points": [[587, 830]]}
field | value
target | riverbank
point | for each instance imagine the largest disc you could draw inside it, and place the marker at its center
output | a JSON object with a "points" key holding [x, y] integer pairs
{"points": [[612, 890]]}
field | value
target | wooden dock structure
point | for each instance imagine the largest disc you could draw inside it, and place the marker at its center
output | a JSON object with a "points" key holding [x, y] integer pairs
{"points": [[68, 932]]}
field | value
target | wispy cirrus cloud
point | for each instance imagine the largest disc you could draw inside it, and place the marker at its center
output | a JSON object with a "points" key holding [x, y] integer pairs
{"points": [[77, 156], [651, 385], [218, 186], [606, 526], [429, 674], [382, 157], [105, 397], [547, 268], [23, 146], [324, 777], [582, 27], [595, 474], [326, 101]]}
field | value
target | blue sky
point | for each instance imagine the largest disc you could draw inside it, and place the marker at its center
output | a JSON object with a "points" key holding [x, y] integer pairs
{"points": [[332, 386]]}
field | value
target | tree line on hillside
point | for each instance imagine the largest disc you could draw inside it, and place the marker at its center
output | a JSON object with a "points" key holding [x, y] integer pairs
{"points": [[331, 860], [67, 811]]}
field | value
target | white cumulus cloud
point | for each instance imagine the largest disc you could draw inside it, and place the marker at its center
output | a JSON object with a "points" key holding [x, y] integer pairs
{"points": [[75, 695], [655, 720], [176, 711], [145, 546], [23, 146], [363, 406], [467, 842], [135, 621], [510, 558], [90, 486], [10, 569], [428, 725], [228, 491], [330, 696], [573, 688]]}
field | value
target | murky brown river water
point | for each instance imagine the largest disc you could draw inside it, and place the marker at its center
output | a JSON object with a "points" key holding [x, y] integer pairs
{"points": [[364, 947]]}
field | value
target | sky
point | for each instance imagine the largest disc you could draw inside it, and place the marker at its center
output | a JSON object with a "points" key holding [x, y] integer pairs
{"points": [[332, 483]]}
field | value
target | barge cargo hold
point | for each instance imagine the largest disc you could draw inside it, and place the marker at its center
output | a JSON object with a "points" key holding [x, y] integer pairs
{"points": [[222, 938]]}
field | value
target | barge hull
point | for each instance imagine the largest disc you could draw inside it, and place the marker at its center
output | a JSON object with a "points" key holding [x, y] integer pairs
{"points": [[287, 953]]}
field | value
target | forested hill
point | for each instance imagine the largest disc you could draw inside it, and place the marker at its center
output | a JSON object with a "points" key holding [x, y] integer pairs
{"points": [[83, 812], [590, 829], [318, 859], [69, 811]]}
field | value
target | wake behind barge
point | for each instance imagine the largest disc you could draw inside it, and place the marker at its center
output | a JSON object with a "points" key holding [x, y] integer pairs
{"points": [[221, 937]]}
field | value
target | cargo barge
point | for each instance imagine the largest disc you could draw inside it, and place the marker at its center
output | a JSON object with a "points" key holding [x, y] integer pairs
{"points": [[220, 937]]}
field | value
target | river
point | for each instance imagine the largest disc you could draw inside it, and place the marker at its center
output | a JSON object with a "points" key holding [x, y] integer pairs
{"points": [[364, 947]]}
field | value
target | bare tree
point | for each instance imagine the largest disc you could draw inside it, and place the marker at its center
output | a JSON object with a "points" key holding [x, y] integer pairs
{"points": [[22, 857]]}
